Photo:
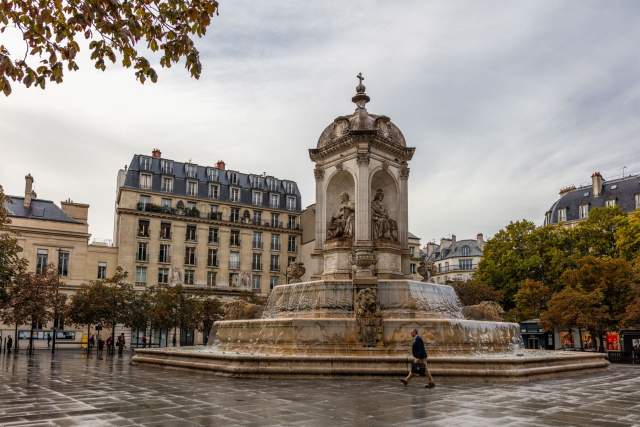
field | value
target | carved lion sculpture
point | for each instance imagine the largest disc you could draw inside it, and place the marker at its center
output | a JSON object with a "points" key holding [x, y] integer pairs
{"points": [[486, 310], [295, 271], [240, 310], [366, 302]]}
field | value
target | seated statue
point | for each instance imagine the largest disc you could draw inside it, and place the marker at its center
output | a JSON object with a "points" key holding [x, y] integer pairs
{"points": [[384, 227], [341, 226]]}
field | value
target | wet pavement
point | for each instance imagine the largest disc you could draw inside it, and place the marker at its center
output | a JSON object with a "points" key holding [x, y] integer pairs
{"points": [[71, 389]]}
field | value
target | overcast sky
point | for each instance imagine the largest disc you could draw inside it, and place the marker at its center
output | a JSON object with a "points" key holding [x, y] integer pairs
{"points": [[505, 102]]}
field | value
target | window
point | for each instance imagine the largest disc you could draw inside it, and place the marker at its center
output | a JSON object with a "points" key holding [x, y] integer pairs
{"points": [[190, 255], [214, 213], [611, 203], [275, 200], [412, 268], [614, 186], [235, 238], [291, 244], [145, 163], [234, 260], [465, 264], [212, 258], [255, 282], [273, 282], [272, 184], [143, 228], [235, 215], [256, 262], [189, 277], [163, 275], [256, 198], [141, 255], [214, 191], [191, 233], [439, 268], [275, 220], [63, 263], [233, 177], [141, 275], [211, 278], [275, 242], [165, 253], [291, 260], [291, 203], [257, 217], [143, 202], [213, 235], [235, 194], [102, 270], [166, 184], [145, 180], [412, 250], [166, 166], [42, 256], [190, 170], [212, 174], [192, 188], [292, 224], [562, 215], [234, 280], [257, 240], [446, 266], [547, 218], [465, 250], [165, 230], [275, 262], [166, 204], [584, 211], [289, 187], [638, 201]]}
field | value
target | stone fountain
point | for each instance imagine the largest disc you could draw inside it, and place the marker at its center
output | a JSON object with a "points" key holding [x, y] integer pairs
{"points": [[353, 317]]}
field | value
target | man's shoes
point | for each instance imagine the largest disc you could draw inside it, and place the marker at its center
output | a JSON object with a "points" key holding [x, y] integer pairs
{"points": [[403, 381], [430, 385]]}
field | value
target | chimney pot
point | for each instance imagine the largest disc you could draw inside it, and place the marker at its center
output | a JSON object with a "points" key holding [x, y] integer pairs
{"points": [[453, 238], [28, 191], [480, 237], [156, 154], [220, 164], [596, 184]]}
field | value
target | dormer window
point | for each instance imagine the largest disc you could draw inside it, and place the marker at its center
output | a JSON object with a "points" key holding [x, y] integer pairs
{"points": [[562, 215], [584, 211], [289, 187], [637, 197], [465, 251], [166, 166], [256, 198], [190, 170], [275, 200], [145, 163], [167, 184], [272, 184], [291, 203], [614, 186], [214, 191], [233, 178], [145, 180], [235, 194], [611, 203], [192, 188], [547, 218], [212, 174]]}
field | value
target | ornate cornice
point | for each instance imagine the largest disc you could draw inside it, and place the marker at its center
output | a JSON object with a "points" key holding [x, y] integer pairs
{"points": [[353, 137]]}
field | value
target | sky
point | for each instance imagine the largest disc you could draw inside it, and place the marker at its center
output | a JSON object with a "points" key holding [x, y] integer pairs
{"points": [[505, 101]]}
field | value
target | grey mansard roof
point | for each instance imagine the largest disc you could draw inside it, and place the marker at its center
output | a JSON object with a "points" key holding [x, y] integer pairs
{"points": [[39, 209], [624, 194], [222, 177], [454, 250]]}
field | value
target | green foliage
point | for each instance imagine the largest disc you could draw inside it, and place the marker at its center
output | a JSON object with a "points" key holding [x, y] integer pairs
{"points": [[531, 299], [627, 236], [474, 292], [597, 235], [52, 30]]}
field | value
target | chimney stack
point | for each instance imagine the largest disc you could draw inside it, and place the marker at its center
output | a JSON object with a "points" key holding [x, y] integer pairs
{"points": [[156, 154], [596, 184], [220, 164], [28, 190], [453, 238], [480, 238]]}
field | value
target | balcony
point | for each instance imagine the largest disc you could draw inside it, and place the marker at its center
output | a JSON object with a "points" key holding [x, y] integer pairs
{"points": [[152, 207], [454, 268], [216, 216], [234, 242], [256, 267], [257, 245]]}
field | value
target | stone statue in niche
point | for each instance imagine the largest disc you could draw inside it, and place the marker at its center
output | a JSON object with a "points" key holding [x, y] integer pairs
{"points": [[384, 227], [341, 225]]}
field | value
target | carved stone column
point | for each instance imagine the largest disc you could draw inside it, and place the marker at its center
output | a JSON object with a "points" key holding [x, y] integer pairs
{"points": [[363, 214], [320, 208], [403, 220]]}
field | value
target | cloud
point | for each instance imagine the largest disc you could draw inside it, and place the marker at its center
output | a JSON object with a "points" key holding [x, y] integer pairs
{"points": [[505, 101]]}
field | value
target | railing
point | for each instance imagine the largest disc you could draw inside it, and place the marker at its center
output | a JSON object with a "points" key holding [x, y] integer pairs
{"points": [[215, 216], [151, 207], [257, 245], [452, 268]]}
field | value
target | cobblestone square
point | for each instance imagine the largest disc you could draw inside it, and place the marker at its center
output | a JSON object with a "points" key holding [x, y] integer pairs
{"points": [[71, 389]]}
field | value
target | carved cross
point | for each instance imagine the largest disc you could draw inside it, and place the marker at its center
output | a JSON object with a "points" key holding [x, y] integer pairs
{"points": [[360, 77]]}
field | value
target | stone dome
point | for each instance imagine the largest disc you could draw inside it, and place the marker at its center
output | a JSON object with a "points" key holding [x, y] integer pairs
{"points": [[361, 121]]}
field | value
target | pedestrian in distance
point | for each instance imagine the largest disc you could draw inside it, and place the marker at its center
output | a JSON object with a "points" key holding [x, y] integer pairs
{"points": [[419, 364], [100, 344], [92, 342], [9, 344], [48, 340], [120, 344], [144, 341], [109, 345]]}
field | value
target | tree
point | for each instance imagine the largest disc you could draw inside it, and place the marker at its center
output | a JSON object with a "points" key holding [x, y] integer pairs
{"points": [[531, 299], [474, 292], [573, 307], [119, 294], [627, 236], [11, 263], [597, 235], [163, 309], [52, 31], [81, 310], [212, 311]]}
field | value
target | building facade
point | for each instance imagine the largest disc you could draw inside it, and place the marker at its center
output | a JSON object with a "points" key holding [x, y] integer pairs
{"points": [[454, 260], [205, 227], [575, 203], [58, 235]]}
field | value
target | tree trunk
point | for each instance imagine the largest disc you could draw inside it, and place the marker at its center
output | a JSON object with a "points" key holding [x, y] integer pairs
{"points": [[88, 337], [113, 336], [55, 332], [15, 338], [31, 339]]}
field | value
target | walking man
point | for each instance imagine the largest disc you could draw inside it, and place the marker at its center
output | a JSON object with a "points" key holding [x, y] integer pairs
{"points": [[9, 343], [419, 364]]}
